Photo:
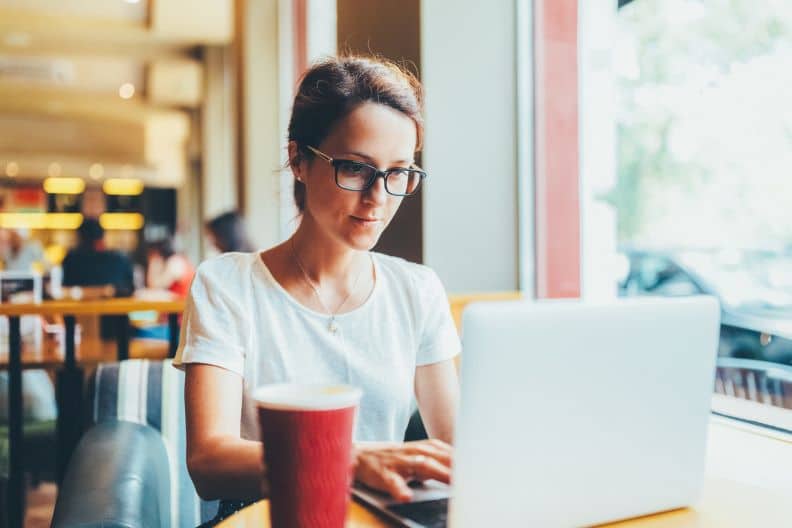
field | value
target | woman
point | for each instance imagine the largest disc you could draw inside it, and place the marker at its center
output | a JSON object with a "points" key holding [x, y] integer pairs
{"points": [[321, 307]]}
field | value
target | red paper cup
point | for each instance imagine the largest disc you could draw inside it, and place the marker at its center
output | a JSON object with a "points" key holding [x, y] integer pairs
{"points": [[307, 435]]}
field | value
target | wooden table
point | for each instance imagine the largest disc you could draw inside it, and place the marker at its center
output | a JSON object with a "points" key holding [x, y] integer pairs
{"points": [[69, 377], [748, 483]]}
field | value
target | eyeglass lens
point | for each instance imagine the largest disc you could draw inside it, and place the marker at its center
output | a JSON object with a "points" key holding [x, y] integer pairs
{"points": [[357, 177]]}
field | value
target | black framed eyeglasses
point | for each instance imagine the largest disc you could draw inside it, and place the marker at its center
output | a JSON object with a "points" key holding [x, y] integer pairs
{"points": [[357, 176]]}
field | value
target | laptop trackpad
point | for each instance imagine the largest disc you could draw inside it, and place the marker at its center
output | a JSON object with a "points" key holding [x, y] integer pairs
{"points": [[427, 509], [422, 491]]}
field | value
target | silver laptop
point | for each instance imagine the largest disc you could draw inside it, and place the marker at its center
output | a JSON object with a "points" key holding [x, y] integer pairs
{"points": [[575, 413]]}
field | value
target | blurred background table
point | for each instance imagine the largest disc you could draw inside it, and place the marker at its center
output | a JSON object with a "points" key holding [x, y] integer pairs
{"points": [[69, 360]]}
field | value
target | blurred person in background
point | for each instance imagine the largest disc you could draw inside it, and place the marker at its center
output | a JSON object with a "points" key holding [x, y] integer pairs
{"points": [[168, 273], [91, 264], [168, 269], [20, 253], [227, 233]]}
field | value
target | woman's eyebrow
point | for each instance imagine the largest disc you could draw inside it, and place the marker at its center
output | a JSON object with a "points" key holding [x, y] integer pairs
{"points": [[370, 160], [358, 154]]}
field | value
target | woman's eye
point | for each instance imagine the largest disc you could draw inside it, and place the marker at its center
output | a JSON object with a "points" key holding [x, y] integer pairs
{"points": [[352, 169]]}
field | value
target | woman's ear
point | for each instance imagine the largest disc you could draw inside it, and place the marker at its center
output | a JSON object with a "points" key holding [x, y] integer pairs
{"points": [[295, 160]]}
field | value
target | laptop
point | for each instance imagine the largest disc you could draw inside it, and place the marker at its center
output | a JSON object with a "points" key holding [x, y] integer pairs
{"points": [[575, 414]]}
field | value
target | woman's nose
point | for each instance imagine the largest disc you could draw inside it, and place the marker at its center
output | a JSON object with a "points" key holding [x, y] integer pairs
{"points": [[376, 193]]}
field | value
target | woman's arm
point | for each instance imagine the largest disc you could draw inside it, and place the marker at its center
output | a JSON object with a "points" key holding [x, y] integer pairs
{"points": [[221, 463], [389, 467], [437, 393]]}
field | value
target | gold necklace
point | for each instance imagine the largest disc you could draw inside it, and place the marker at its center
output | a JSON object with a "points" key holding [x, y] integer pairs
{"points": [[332, 326]]}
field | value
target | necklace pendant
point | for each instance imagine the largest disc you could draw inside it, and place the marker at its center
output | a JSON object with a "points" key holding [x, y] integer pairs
{"points": [[332, 327]]}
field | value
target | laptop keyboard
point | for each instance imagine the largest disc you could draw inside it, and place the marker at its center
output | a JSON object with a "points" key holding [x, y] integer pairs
{"points": [[430, 514]]}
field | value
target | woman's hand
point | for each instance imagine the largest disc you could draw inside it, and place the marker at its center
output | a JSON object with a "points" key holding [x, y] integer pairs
{"points": [[389, 467]]}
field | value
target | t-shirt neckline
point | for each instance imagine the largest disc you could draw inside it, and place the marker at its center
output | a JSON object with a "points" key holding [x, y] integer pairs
{"points": [[277, 285]]}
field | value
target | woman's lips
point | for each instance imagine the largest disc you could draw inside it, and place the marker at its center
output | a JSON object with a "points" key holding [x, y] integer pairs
{"points": [[365, 221]]}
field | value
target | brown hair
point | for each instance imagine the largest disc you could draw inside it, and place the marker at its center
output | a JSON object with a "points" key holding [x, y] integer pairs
{"points": [[335, 86]]}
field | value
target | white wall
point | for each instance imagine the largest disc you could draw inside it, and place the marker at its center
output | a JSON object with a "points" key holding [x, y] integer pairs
{"points": [[219, 189], [264, 136], [600, 266], [468, 58], [321, 26]]}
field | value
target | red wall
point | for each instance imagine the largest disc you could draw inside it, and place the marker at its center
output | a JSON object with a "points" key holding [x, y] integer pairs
{"points": [[556, 150]]}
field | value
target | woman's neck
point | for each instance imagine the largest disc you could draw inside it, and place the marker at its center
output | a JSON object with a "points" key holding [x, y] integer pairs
{"points": [[322, 258]]}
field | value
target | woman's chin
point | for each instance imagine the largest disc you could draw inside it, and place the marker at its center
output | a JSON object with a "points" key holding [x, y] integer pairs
{"points": [[362, 242]]}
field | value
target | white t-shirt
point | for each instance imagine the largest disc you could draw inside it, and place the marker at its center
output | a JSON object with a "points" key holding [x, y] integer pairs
{"points": [[239, 318]]}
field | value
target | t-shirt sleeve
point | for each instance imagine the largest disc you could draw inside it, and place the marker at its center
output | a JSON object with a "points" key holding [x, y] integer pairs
{"points": [[213, 325], [439, 337]]}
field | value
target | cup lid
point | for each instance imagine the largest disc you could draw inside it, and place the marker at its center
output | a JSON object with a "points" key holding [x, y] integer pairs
{"points": [[306, 397]]}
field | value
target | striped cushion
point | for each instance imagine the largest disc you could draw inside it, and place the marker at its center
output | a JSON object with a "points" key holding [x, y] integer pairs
{"points": [[152, 393]]}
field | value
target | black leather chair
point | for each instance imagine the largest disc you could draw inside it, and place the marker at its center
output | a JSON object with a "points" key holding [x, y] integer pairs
{"points": [[118, 476], [129, 469]]}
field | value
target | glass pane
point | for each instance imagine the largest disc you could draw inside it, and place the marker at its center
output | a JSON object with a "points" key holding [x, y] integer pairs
{"points": [[704, 152]]}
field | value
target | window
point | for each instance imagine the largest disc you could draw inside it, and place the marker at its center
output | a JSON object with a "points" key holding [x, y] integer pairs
{"points": [[704, 187]]}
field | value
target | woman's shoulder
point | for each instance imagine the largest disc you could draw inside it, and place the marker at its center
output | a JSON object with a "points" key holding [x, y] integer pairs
{"points": [[227, 270], [405, 272], [221, 265], [224, 280]]}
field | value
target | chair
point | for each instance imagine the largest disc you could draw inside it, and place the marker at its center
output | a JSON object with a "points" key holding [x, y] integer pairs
{"points": [[458, 302], [130, 468], [759, 381], [38, 453]]}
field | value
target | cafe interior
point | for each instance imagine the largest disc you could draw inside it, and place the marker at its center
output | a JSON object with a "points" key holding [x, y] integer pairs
{"points": [[152, 135]]}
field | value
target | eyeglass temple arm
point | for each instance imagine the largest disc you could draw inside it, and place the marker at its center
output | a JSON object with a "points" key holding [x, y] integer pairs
{"points": [[319, 153], [328, 158]]}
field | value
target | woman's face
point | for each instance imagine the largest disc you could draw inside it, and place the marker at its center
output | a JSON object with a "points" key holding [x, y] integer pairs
{"points": [[374, 134]]}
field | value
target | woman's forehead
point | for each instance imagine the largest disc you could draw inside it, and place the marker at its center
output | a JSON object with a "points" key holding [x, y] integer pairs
{"points": [[376, 131]]}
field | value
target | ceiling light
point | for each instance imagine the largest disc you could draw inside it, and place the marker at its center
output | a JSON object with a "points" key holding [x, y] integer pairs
{"points": [[23, 220], [17, 39], [41, 220], [126, 91], [64, 185], [54, 170], [64, 220], [132, 1], [122, 186], [121, 221], [96, 171], [12, 169]]}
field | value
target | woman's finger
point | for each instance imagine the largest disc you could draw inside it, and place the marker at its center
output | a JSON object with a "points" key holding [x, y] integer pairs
{"points": [[422, 467], [396, 485], [442, 455], [439, 444], [435, 444]]}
